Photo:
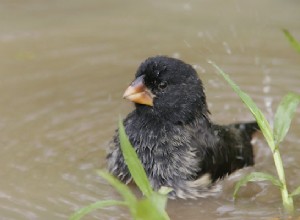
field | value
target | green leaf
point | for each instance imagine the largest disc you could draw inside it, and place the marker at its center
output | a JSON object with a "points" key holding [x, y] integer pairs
{"points": [[154, 206], [164, 190], [97, 205], [133, 163], [284, 115], [160, 198], [147, 209], [296, 192], [295, 44], [258, 115], [160, 202], [123, 189], [253, 177]]}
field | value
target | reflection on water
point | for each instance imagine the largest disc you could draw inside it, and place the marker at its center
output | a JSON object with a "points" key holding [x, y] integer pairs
{"points": [[64, 65]]}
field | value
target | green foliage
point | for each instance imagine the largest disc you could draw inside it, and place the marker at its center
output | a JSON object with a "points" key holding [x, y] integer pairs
{"points": [[283, 118], [284, 115], [258, 115], [123, 189], [253, 177], [295, 44], [97, 205], [151, 206], [296, 192], [133, 163]]}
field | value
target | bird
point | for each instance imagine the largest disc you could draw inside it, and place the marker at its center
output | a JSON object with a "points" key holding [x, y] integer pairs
{"points": [[171, 131]]}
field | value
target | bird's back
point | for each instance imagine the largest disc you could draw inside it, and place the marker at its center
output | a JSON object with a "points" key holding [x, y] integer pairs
{"points": [[232, 151]]}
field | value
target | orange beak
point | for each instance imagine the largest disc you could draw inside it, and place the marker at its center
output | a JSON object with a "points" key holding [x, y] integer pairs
{"points": [[137, 92]]}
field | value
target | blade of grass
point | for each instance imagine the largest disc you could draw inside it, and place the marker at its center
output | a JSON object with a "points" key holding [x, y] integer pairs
{"points": [[155, 204], [148, 209], [284, 116], [133, 163], [295, 44], [123, 189], [253, 177], [97, 205], [164, 190], [296, 192], [160, 202], [287, 200], [258, 115]]}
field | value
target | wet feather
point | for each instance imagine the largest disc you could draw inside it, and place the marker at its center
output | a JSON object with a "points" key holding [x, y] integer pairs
{"points": [[175, 139]]}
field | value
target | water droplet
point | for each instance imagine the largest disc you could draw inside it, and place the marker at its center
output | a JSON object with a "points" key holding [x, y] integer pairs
{"points": [[227, 48], [176, 55]]}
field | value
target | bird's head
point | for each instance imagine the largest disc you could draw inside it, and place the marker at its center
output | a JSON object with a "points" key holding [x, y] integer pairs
{"points": [[167, 88]]}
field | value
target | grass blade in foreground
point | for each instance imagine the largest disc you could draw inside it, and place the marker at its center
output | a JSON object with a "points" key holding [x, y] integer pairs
{"points": [[97, 205], [147, 209], [287, 200], [260, 118], [161, 197], [159, 200], [253, 177], [284, 115], [150, 207], [133, 163], [153, 206], [296, 192], [295, 44], [123, 189]]}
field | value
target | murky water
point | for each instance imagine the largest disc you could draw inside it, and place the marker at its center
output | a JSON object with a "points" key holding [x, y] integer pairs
{"points": [[64, 66]]}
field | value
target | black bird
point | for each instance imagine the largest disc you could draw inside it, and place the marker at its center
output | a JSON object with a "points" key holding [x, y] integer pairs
{"points": [[172, 133]]}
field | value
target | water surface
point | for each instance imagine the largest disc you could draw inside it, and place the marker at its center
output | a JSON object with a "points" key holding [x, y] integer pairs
{"points": [[65, 64]]}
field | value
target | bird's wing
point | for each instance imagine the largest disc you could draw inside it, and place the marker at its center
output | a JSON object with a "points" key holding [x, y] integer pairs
{"points": [[224, 149]]}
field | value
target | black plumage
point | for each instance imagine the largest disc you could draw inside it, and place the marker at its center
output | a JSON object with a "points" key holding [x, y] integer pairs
{"points": [[173, 135]]}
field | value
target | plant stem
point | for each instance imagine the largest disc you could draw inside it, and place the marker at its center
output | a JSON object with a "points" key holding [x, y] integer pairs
{"points": [[287, 200]]}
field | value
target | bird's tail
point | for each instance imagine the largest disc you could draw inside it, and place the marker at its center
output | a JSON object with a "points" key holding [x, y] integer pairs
{"points": [[244, 157], [249, 127], [237, 148]]}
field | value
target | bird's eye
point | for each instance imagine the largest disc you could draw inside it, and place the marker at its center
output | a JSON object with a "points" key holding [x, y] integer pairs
{"points": [[162, 85]]}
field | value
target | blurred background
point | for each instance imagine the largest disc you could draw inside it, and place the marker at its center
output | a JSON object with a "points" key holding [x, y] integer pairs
{"points": [[65, 64]]}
